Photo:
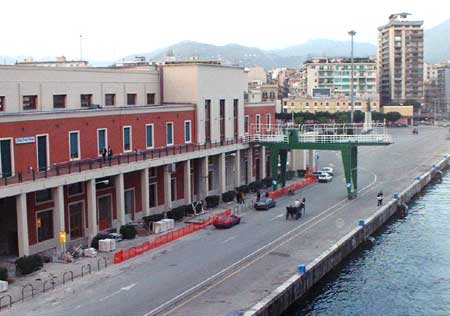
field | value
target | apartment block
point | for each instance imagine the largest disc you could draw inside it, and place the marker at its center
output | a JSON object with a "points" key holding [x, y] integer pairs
{"points": [[400, 60]]}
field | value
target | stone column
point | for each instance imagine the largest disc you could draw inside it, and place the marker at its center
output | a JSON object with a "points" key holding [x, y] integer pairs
{"points": [[167, 188], [22, 225], [222, 173], [187, 182], [262, 161], [120, 200], [145, 193], [250, 165], [311, 162], [237, 168], [92, 209], [58, 214], [204, 178]]}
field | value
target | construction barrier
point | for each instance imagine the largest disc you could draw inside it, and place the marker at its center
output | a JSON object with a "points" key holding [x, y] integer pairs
{"points": [[125, 254], [292, 187]]}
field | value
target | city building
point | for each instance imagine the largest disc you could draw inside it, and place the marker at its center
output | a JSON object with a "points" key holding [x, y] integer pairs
{"points": [[172, 134], [333, 77], [59, 62], [441, 102], [430, 86], [400, 60], [328, 104], [406, 111]]}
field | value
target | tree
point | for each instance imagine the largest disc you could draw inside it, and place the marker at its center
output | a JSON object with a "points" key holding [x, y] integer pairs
{"points": [[416, 104], [358, 116], [393, 116], [378, 116]]}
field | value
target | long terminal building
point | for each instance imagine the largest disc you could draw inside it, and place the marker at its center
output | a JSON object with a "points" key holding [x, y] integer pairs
{"points": [[176, 134]]}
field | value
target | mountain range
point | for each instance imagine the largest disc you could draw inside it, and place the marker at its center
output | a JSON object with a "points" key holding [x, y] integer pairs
{"points": [[436, 51], [294, 56]]}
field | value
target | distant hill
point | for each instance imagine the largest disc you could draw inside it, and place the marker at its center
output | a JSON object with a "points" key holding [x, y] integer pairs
{"points": [[437, 39], [250, 56]]}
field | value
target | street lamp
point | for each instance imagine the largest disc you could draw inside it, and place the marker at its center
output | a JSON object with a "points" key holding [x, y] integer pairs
{"points": [[352, 33]]}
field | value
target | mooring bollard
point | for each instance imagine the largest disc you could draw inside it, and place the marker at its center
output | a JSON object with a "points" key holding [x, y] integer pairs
{"points": [[301, 268], [361, 223], [395, 196], [418, 178]]}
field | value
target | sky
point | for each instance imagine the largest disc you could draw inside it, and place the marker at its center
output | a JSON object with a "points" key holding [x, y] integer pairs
{"points": [[114, 29]]}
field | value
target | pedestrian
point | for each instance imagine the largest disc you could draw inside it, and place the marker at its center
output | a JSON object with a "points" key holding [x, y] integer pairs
{"points": [[267, 194], [258, 196], [303, 205], [110, 153], [104, 153], [297, 203], [238, 197], [380, 198], [242, 197]]}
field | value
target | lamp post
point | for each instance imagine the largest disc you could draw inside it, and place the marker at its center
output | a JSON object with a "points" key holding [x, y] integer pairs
{"points": [[352, 33]]}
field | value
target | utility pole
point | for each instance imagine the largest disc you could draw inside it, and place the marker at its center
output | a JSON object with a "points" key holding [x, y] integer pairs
{"points": [[81, 47], [352, 33]]}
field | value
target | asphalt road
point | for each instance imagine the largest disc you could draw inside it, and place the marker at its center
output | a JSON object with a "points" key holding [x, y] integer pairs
{"points": [[223, 272]]}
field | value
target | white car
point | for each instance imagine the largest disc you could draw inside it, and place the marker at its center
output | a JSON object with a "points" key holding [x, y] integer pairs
{"points": [[328, 170], [325, 177]]}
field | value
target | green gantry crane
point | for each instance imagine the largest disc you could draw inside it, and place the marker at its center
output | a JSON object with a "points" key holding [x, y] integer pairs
{"points": [[346, 138]]}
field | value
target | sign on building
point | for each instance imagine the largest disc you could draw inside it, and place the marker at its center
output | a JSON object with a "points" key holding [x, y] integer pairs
{"points": [[25, 140]]}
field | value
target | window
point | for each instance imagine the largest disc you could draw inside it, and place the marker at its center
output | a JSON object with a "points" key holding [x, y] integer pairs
{"points": [[59, 101], [131, 98], [42, 152], [222, 120], [29, 102], [246, 124], [44, 224], [169, 134], [6, 158], [75, 188], [110, 99], [127, 142], [207, 120], [2, 103], [102, 140], [187, 132], [74, 145], [43, 196], [150, 98], [268, 120], [258, 123], [235, 117], [86, 100], [149, 136]]}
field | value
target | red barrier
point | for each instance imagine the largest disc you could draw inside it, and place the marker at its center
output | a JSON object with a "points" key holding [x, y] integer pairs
{"points": [[292, 187], [118, 257], [132, 252]]}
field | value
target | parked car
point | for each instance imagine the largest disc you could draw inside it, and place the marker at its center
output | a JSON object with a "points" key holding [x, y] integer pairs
{"points": [[328, 170], [226, 221], [317, 174], [264, 204], [325, 178]]}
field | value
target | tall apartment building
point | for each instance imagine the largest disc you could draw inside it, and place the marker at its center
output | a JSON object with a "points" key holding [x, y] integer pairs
{"points": [[400, 60], [333, 75], [441, 103], [176, 135]]}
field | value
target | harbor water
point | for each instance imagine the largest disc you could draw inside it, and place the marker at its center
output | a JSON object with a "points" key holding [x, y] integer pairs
{"points": [[406, 271]]}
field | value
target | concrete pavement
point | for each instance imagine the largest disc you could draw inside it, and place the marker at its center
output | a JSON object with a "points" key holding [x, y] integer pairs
{"points": [[223, 272]]}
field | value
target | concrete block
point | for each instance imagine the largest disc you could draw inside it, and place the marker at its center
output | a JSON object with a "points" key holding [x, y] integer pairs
{"points": [[3, 286]]}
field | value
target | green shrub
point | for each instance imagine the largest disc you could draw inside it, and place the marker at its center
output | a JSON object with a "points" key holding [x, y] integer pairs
{"points": [[128, 231], [3, 274], [177, 213], [29, 264], [212, 201], [301, 173], [228, 196], [290, 174], [153, 218], [267, 182], [255, 186], [94, 243], [243, 188]]}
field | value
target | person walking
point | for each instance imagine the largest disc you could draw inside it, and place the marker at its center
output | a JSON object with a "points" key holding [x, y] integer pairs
{"points": [[258, 196], [380, 198], [110, 153], [238, 197], [303, 205], [104, 153]]}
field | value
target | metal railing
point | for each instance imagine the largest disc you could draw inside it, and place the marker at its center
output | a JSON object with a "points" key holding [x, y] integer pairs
{"points": [[82, 165]]}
